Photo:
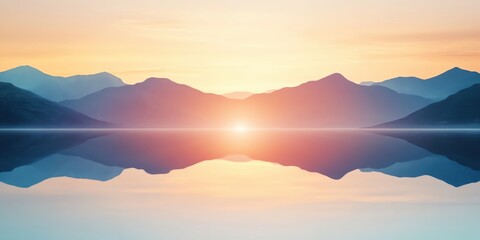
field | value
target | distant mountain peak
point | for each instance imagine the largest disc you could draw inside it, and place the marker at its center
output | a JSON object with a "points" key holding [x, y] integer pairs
{"points": [[455, 71], [25, 69], [457, 110], [457, 74], [155, 80], [337, 77], [106, 76], [101, 74], [154, 83], [334, 79], [58, 88], [436, 88]]}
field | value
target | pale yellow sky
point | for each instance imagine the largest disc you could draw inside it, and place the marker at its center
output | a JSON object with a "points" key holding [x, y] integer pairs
{"points": [[221, 46]]}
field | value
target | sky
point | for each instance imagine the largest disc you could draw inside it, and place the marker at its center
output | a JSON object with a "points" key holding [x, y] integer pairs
{"points": [[251, 45]]}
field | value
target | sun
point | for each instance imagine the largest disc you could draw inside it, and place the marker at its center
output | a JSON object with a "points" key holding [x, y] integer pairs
{"points": [[240, 128]]}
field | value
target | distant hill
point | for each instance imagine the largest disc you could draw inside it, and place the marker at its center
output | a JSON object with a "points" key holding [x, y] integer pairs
{"points": [[435, 88], [459, 110], [332, 101], [329, 102], [58, 88], [156, 102], [368, 83], [21, 108], [243, 95]]}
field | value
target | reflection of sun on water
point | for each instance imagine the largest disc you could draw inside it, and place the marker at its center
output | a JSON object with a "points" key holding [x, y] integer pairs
{"points": [[223, 184]]}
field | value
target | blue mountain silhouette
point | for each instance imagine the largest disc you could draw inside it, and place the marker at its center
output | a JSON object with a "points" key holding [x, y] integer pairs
{"points": [[58, 88], [435, 88], [21, 108], [458, 110]]}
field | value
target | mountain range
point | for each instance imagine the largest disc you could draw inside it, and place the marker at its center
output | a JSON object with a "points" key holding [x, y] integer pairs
{"points": [[332, 101], [156, 102], [458, 110], [21, 108], [435, 88], [58, 88]]}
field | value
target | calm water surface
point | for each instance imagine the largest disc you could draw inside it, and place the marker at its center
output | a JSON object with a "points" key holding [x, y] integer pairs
{"points": [[239, 185]]}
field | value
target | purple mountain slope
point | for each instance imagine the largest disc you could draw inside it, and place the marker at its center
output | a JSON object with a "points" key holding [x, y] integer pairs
{"points": [[329, 102]]}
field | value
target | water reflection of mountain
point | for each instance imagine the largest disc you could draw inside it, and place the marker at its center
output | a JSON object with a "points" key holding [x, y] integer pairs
{"points": [[333, 154], [58, 165], [435, 166], [459, 146], [23, 148]]}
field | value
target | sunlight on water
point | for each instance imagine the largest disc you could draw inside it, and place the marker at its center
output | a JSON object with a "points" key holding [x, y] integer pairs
{"points": [[239, 200], [135, 184]]}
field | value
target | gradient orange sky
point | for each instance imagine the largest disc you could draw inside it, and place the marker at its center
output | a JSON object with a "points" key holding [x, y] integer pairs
{"points": [[221, 46]]}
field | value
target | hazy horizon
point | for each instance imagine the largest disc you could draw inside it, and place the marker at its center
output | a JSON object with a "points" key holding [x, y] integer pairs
{"points": [[234, 91], [225, 46]]}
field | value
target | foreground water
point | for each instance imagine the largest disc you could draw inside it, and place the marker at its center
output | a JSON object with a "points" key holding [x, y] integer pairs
{"points": [[206, 185]]}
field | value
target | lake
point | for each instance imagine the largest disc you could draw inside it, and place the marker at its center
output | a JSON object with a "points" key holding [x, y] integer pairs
{"points": [[239, 184]]}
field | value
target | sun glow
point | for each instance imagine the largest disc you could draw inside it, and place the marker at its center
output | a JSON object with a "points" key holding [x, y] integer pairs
{"points": [[240, 128]]}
